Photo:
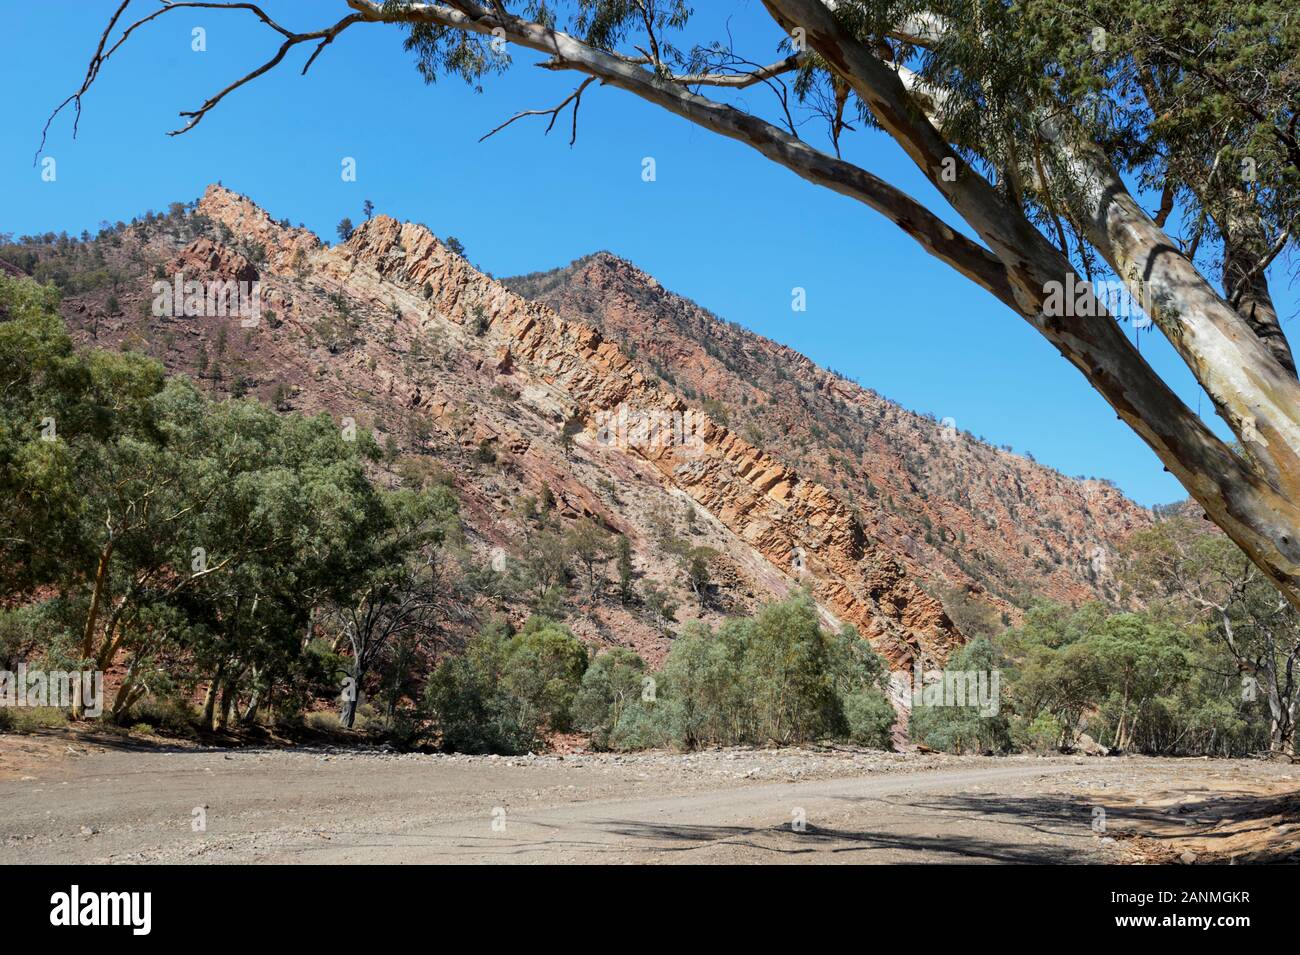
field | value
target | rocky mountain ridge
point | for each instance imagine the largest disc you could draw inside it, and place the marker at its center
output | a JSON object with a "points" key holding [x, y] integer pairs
{"points": [[509, 400], [964, 516], [572, 374]]}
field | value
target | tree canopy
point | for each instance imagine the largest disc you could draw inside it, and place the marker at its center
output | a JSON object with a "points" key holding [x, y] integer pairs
{"points": [[190, 540]]}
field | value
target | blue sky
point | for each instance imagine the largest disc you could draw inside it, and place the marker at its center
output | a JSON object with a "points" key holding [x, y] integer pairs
{"points": [[720, 224]]}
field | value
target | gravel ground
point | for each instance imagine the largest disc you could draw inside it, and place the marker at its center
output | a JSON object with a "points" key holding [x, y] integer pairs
{"points": [[75, 801]]}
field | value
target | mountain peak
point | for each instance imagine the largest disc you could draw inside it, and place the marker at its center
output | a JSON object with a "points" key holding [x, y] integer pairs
{"points": [[282, 243], [606, 264]]}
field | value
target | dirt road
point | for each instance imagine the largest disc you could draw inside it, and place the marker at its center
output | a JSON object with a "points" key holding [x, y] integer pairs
{"points": [[64, 801]]}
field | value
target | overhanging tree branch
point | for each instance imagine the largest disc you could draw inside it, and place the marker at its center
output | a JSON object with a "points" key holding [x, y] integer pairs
{"points": [[1248, 504], [101, 55], [938, 238]]}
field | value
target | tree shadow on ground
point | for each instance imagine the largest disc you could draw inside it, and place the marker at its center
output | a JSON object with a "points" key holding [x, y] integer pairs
{"points": [[1227, 825], [963, 834]]}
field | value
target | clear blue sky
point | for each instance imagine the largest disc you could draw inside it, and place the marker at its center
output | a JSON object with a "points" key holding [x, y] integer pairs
{"points": [[720, 225]]}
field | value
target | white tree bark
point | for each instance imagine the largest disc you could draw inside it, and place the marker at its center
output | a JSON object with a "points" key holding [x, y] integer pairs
{"points": [[1261, 401]]}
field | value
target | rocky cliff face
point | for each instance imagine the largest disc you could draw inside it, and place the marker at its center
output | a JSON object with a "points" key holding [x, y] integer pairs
{"points": [[795, 524], [967, 518], [511, 400]]}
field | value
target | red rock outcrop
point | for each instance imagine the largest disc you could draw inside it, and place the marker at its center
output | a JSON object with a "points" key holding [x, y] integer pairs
{"points": [[286, 247], [800, 475], [764, 502], [964, 516], [203, 257]]}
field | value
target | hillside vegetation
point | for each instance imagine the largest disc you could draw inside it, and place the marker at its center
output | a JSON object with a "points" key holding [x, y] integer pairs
{"points": [[387, 501]]}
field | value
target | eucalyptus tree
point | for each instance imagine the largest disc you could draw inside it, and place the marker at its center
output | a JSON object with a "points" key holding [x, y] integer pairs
{"points": [[405, 589], [47, 426], [164, 529], [297, 519], [1213, 586], [1148, 142], [94, 487]]}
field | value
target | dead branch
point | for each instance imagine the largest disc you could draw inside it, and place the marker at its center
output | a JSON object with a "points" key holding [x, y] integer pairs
{"points": [[103, 51], [575, 98], [740, 80], [326, 37]]}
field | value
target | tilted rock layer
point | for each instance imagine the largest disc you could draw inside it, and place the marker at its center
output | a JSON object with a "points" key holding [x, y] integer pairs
{"points": [[396, 331], [788, 520], [966, 518]]}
